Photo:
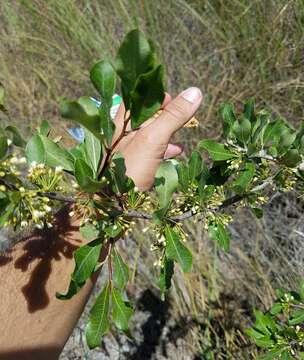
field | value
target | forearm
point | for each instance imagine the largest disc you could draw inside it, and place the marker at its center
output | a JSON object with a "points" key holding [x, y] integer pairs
{"points": [[34, 324]]}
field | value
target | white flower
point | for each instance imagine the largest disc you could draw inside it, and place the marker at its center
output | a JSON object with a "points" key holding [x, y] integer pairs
{"points": [[21, 189], [47, 208], [33, 164], [38, 214], [14, 160], [22, 160], [58, 169], [71, 213], [23, 223], [39, 226], [9, 142]]}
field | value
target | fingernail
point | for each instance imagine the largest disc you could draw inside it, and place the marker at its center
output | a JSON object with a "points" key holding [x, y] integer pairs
{"points": [[193, 94]]}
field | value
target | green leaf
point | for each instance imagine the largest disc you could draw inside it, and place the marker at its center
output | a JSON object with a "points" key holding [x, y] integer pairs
{"points": [[249, 110], [273, 354], [3, 146], [34, 150], [103, 78], [17, 138], [292, 158], [7, 212], [217, 151], [166, 273], [113, 230], [84, 112], [258, 212], [121, 271], [218, 233], [86, 259], [183, 177], [43, 150], [122, 310], [107, 125], [98, 324], [264, 322], [195, 165], [228, 116], [254, 333], [135, 57], [285, 142], [244, 177], [44, 128], [85, 177], [265, 342], [166, 182], [120, 182], [147, 97], [54, 155], [242, 130], [276, 308], [89, 231], [273, 131], [93, 150], [176, 250], [297, 317]]}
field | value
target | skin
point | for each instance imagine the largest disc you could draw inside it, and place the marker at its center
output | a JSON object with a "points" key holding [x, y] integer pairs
{"points": [[34, 324]]}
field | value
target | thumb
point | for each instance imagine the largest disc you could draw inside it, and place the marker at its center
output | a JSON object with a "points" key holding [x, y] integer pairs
{"points": [[176, 114]]}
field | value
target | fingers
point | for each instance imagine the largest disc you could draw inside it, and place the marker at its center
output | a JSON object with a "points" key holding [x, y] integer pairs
{"points": [[176, 114], [173, 150]]}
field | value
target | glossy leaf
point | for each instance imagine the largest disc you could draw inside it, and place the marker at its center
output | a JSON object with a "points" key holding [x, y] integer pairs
{"points": [[85, 177], [228, 116], [93, 150], [122, 310], [147, 97], [44, 128], [54, 155], [242, 130], [135, 57], [166, 273], [217, 152], [249, 110], [34, 150], [166, 182], [107, 125], [103, 78], [176, 250], [83, 112], [244, 177], [98, 324], [121, 271], [86, 259], [195, 165]]}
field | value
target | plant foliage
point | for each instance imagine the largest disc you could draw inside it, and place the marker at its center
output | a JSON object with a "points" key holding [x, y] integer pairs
{"points": [[256, 154]]}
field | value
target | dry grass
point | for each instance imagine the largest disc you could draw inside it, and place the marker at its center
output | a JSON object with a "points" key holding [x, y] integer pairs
{"points": [[232, 50]]}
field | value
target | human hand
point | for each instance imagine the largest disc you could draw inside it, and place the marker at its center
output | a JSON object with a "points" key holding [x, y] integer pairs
{"points": [[145, 148]]}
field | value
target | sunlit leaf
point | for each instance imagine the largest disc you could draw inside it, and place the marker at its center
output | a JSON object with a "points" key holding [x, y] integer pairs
{"points": [[176, 250], [217, 151], [98, 324]]}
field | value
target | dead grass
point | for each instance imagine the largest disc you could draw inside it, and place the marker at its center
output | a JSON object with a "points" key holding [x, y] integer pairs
{"points": [[232, 50]]}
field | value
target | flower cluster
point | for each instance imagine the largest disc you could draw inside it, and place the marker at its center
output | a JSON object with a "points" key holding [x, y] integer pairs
{"points": [[45, 178]]}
